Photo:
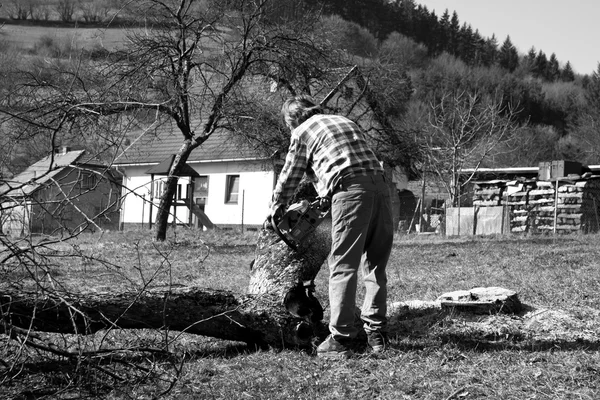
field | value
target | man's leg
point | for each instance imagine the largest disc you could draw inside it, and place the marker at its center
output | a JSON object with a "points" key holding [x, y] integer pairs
{"points": [[377, 249], [351, 212]]}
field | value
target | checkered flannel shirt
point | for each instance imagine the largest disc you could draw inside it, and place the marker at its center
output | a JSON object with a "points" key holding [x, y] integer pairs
{"points": [[327, 148]]}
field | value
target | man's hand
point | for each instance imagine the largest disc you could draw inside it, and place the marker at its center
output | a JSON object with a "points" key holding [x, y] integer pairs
{"points": [[277, 211]]}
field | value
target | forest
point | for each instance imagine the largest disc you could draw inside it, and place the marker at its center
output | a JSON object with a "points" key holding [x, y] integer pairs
{"points": [[557, 109]]}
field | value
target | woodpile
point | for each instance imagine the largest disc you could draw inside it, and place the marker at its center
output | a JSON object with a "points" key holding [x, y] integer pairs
{"points": [[564, 205], [518, 202], [489, 194]]}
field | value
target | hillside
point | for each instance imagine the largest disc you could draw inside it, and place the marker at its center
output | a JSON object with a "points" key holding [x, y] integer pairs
{"points": [[441, 55]]}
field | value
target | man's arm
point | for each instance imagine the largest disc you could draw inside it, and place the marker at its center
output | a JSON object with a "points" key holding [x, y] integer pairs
{"points": [[291, 174]]}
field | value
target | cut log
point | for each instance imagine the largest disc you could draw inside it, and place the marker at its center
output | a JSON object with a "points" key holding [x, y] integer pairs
{"points": [[279, 311], [285, 273]]}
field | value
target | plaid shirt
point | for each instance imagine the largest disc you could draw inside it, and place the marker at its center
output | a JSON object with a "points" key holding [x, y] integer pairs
{"points": [[327, 148]]}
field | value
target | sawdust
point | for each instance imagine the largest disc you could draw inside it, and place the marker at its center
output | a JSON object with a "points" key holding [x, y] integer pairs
{"points": [[534, 327]]}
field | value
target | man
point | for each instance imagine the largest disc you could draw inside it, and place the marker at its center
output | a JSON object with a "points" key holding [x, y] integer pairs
{"points": [[331, 150]]}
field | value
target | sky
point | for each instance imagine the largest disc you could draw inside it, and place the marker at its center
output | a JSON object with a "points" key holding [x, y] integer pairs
{"points": [[570, 29]]}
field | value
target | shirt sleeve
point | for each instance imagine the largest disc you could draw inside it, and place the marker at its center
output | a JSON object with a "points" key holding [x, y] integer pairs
{"points": [[292, 172]]}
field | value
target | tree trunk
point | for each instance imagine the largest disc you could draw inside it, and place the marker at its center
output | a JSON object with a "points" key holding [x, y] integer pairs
{"points": [[256, 320], [279, 310], [166, 198]]}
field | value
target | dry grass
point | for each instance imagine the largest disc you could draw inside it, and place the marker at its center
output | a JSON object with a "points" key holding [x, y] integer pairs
{"points": [[550, 353], [27, 37]]}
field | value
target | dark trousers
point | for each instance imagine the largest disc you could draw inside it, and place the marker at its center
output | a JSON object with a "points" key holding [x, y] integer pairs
{"points": [[362, 235]]}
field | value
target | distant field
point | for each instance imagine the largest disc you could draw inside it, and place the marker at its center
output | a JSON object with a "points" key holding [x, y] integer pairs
{"points": [[25, 37]]}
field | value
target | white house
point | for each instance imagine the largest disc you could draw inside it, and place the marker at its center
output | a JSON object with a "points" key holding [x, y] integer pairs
{"points": [[225, 183]]}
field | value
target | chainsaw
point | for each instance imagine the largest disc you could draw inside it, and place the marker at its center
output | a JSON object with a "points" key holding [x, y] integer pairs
{"points": [[299, 221]]}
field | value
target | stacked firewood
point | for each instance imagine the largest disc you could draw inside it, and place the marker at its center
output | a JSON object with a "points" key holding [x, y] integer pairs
{"points": [[517, 201], [575, 207], [537, 206], [488, 194]]}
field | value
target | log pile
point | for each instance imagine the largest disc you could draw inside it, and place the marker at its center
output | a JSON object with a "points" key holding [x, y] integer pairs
{"points": [[567, 205], [518, 202], [489, 194]]}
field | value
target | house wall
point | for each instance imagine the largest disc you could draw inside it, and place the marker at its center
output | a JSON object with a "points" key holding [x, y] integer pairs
{"points": [[67, 203], [64, 202], [255, 188]]}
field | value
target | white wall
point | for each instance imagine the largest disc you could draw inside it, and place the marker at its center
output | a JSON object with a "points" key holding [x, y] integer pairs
{"points": [[15, 218], [255, 189]]}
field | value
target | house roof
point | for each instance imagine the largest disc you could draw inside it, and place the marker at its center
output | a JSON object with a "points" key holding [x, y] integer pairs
{"points": [[155, 145], [165, 166], [40, 172]]}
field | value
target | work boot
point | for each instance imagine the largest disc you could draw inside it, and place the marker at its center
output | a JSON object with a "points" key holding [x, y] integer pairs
{"points": [[331, 348], [377, 341]]}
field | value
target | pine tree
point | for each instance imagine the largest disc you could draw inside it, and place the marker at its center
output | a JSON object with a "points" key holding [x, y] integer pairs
{"points": [[592, 93], [454, 34], [445, 32], [567, 74], [541, 65], [466, 44], [508, 57], [529, 60], [479, 49], [553, 69], [490, 51], [434, 43]]}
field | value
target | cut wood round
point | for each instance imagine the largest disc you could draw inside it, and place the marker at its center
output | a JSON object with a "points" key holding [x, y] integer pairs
{"points": [[482, 300]]}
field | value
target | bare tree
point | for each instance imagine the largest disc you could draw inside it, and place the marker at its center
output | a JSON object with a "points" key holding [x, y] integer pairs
{"points": [[91, 11], [463, 129], [65, 9], [18, 9], [191, 63]]}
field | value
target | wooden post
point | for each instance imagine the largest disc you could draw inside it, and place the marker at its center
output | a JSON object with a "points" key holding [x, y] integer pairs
{"points": [[555, 205], [422, 208], [190, 195], [243, 198], [414, 215], [151, 200], [596, 213], [458, 203]]}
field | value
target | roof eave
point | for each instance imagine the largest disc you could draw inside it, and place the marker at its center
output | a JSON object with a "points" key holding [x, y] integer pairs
{"points": [[144, 164]]}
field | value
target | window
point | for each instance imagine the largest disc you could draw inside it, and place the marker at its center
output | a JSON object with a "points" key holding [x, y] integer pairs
{"points": [[88, 181], [232, 189], [158, 187], [201, 186], [182, 191]]}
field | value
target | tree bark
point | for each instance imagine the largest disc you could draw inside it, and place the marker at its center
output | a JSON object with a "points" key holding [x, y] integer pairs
{"points": [[256, 320], [166, 198], [279, 310]]}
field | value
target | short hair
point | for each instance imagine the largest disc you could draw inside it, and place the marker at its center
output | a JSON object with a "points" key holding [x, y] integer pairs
{"points": [[298, 109]]}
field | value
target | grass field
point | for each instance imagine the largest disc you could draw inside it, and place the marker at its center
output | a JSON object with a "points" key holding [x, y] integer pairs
{"points": [[436, 356], [26, 37]]}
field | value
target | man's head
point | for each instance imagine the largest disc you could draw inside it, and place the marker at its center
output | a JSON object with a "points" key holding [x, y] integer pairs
{"points": [[298, 109]]}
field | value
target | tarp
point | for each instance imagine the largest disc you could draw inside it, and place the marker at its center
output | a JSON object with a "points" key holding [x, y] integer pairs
{"points": [[466, 221]]}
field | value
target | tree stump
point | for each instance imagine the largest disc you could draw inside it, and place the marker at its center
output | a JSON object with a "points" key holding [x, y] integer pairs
{"points": [[482, 300]]}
